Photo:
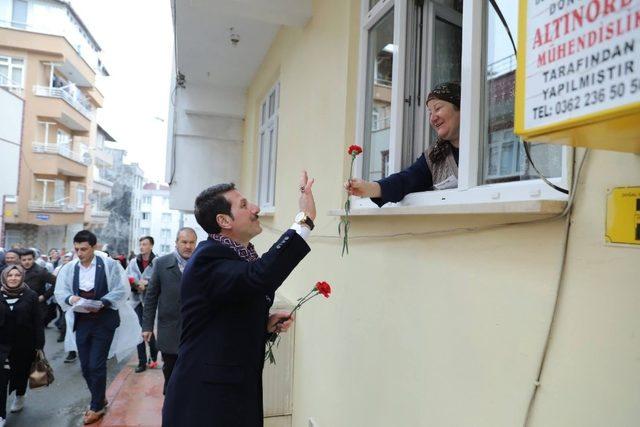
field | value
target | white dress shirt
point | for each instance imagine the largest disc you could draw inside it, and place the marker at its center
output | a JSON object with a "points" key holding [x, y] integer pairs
{"points": [[301, 230], [87, 276]]}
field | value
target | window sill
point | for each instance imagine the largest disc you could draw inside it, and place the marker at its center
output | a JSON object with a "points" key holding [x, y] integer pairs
{"points": [[267, 212], [537, 207], [530, 197]]}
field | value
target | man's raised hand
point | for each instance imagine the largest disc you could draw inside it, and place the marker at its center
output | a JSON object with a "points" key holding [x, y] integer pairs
{"points": [[307, 204]]}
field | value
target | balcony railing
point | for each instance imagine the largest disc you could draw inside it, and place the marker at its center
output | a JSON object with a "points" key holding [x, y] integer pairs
{"points": [[11, 86], [99, 213], [62, 150], [59, 207], [102, 181], [76, 100]]}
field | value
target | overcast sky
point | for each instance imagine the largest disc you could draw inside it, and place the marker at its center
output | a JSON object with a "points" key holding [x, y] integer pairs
{"points": [[136, 38]]}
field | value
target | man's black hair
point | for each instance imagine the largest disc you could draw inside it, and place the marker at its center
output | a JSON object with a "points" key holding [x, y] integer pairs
{"points": [[85, 236], [210, 203], [149, 238], [25, 252]]}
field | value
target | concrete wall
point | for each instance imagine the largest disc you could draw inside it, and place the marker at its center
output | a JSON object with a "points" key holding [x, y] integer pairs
{"points": [[208, 137], [445, 330]]}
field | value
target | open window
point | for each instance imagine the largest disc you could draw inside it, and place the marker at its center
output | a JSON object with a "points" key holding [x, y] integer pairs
{"points": [[409, 46]]}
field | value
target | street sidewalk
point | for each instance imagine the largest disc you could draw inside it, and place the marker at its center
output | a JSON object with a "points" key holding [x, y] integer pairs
{"points": [[135, 399]]}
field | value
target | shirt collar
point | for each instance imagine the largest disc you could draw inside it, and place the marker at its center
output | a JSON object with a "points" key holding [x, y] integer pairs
{"points": [[93, 263]]}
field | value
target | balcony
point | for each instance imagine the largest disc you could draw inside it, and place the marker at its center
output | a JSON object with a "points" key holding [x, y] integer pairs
{"points": [[103, 158], [54, 207], [102, 185], [76, 100], [53, 159]]}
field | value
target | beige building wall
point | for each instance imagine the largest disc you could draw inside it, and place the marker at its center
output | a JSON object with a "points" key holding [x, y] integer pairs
{"points": [[445, 329], [38, 50]]}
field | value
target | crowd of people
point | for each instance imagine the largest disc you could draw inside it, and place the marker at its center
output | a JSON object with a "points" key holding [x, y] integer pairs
{"points": [[212, 304], [37, 292]]}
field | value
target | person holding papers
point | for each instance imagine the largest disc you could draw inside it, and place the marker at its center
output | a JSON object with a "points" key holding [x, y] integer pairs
{"points": [[93, 291]]}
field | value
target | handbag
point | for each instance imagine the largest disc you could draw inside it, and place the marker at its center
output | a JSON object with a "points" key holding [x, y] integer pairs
{"points": [[41, 372]]}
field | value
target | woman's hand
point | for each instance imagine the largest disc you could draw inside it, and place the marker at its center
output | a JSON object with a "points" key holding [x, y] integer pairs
{"points": [[361, 188]]}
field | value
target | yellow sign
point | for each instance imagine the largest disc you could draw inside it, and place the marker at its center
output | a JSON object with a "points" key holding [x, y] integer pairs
{"points": [[578, 74], [623, 216]]}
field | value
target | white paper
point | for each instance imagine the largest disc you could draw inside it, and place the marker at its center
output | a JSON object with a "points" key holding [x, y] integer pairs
{"points": [[451, 182], [86, 305]]}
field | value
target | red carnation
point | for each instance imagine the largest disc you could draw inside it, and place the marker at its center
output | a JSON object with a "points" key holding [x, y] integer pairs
{"points": [[324, 288], [354, 150], [132, 280]]}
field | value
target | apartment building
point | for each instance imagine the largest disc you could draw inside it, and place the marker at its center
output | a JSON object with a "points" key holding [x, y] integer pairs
{"points": [[12, 107], [49, 57], [123, 204], [156, 219], [497, 303]]}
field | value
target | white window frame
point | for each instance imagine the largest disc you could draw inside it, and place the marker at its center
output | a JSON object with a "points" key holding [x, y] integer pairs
{"points": [[267, 204], [8, 61], [470, 189]]}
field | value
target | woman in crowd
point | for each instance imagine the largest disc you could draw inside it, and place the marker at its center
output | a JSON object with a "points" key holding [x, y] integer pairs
{"points": [[437, 168], [21, 335]]}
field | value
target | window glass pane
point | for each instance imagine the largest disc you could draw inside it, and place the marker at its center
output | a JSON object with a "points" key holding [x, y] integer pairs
{"points": [[264, 168], [447, 52], [504, 157], [372, 3], [378, 105], [19, 16], [272, 103], [4, 74]]}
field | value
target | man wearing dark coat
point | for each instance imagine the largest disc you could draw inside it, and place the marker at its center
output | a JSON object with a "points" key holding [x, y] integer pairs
{"points": [[163, 296], [37, 278], [226, 292]]}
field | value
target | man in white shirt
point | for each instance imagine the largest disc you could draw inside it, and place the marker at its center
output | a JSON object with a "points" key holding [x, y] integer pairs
{"points": [[102, 281]]}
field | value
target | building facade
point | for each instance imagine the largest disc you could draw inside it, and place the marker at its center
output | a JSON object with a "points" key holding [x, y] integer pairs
{"points": [[12, 106], [123, 204], [49, 56], [156, 219], [496, 303]]}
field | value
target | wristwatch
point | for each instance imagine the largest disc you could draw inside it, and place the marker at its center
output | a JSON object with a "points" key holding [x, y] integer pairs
{"points": [[303, 218]]}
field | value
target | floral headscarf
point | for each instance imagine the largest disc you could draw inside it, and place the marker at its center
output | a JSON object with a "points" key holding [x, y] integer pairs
{"points": [[12, 292]]}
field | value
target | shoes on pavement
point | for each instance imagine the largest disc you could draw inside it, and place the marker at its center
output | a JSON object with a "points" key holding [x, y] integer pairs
{"points": [[71, 357], [18, 404], [140, 368], [153, 364], [91, 417]]}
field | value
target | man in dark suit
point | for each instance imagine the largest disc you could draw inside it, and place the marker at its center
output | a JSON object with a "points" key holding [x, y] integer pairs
{"points": [[227, 291], [37, 278], [163, 295]]}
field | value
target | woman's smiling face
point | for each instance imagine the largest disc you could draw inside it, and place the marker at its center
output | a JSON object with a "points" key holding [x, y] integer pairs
{"points": [[444, 118], [14, 278]]}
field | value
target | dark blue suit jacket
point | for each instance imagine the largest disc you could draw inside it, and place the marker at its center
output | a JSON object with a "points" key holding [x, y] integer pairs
{"points": [[217, 379]]}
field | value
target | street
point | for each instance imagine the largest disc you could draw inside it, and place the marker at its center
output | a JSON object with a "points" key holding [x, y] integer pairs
{"points": [[63, 403]]}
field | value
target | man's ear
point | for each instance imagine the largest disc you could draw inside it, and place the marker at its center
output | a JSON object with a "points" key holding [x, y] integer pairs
{"points": [[224, 221]]}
